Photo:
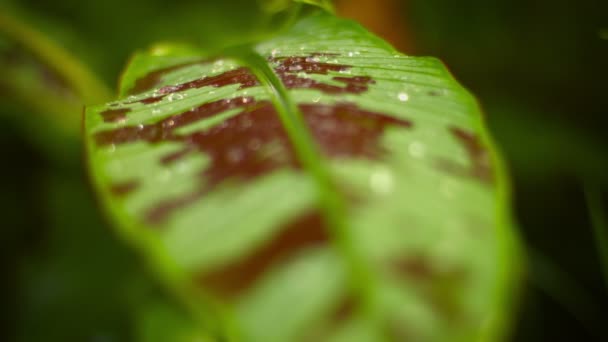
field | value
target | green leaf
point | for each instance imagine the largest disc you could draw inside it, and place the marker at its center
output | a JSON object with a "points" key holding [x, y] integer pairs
{"points": [[315, 186]]}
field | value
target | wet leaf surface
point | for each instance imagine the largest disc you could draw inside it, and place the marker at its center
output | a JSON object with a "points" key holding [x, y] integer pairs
{"points": [[337, 173]]}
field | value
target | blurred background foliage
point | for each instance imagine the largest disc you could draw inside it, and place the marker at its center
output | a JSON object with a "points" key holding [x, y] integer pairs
{"points": [[539, 69]]}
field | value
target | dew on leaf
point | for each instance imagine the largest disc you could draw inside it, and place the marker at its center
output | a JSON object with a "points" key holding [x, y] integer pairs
{"points": [[304, 232], [124, 188], [479, 160], [152, 79], [340, 130], [403, 97]]}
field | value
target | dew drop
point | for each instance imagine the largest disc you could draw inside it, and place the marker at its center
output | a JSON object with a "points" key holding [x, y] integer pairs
{"points": [[167, 89], [175, 96], [403, 97]]}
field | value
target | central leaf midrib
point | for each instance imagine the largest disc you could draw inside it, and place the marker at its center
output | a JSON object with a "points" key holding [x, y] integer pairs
{"points": [[330, 200]]}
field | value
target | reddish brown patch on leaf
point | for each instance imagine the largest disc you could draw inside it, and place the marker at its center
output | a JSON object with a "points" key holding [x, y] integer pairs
{"points": [[163, 130], [307, 231], [342, 312], [152, 79], [240, 76], [235, 146], [308, 64], [415, 267], [123, 189], [254, 142], [353, 85], [115, 115], [289, 70], [149, 100], [441, 287], [479, 166], [345, 130], [345, 309], [397, 331]]}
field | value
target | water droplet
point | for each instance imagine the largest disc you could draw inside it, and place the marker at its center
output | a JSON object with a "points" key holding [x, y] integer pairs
{"points": [[350, 54], [155, 111], [403, 97], [175, 96], [416, 149], [381, 181], [167, 89], [316, 99]]}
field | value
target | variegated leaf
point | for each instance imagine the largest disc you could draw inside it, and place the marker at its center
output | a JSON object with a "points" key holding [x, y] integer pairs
{"points": [[319, 186]]}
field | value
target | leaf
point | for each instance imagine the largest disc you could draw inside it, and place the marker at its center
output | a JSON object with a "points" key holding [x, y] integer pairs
{"points": [[316, 186]]}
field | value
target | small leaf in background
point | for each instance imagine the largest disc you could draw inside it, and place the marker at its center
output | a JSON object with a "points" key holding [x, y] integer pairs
{"points": [[316, 186]]}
